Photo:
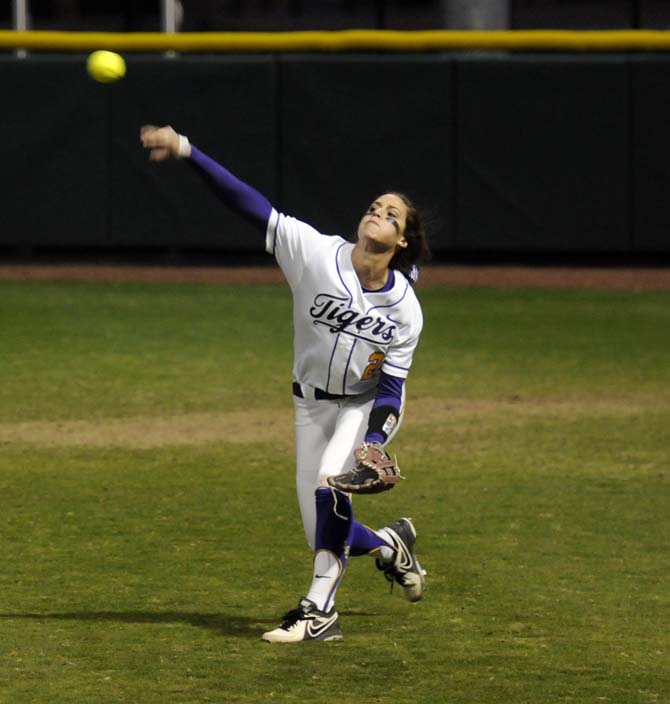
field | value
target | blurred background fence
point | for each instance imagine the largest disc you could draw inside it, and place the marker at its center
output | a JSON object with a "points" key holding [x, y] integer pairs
{"points": [[552, 153], [281, 15]]}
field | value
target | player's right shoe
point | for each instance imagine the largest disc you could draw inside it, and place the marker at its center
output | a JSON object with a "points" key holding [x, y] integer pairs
{"points": [[306, 623], [404, 568]]}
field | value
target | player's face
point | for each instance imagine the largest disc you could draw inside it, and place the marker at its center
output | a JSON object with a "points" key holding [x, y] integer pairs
{"points": [[382, 228]]}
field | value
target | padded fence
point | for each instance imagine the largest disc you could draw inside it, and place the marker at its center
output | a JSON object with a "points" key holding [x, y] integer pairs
{"points": [[509, 152], [543, 154]]}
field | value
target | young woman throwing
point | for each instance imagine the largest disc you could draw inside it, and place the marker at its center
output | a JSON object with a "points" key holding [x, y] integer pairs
{"points": [[356, 323]]}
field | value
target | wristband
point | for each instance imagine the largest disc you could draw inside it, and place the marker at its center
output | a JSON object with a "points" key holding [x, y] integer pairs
{"points": [[184, 149], [382, 421]]}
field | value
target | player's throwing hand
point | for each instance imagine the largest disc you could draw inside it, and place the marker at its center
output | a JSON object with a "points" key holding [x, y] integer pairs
{"points": [[162, 142]]}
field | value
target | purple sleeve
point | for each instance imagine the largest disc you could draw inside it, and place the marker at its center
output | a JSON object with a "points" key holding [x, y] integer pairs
{"points": [[389, 393], [236, 194]]}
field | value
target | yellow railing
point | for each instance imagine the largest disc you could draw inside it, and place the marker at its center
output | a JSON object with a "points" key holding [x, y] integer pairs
{"points": [[347, 40]]}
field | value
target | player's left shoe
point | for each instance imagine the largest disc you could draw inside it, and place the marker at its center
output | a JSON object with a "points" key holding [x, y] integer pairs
{"points": [[404, 568], [306, 623]]}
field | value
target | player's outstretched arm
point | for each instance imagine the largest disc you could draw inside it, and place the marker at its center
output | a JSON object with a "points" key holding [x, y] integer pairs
{"points": [[164, 142]]}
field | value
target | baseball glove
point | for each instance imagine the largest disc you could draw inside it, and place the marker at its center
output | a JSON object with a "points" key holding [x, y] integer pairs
{"points": [[374, 471]]}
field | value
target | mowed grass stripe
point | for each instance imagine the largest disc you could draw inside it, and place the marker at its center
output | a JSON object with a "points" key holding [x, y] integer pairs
{"points": [[450, 415]]}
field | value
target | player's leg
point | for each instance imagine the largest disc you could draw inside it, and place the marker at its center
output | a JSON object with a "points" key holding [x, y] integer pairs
{"points": [[334, 512], [314, 426], [392, 546], [336, 523], [320, 452], [315, 423], [396, 558], [328, 515]]}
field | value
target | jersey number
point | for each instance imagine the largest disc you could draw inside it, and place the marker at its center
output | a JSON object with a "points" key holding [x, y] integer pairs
{"points": [[375, 361]]}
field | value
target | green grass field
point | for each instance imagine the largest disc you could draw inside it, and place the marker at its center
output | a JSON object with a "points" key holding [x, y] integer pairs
{"points": [[150, 532]]}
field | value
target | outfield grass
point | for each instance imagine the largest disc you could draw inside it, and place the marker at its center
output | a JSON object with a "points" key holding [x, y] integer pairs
{"points": [[150, 530]]}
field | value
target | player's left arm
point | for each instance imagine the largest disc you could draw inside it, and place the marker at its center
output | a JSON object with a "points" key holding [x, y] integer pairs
{"points": [[374, 469], [386, 407]]}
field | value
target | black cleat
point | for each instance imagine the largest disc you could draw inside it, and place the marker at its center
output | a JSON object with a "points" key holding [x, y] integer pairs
{"points": [[405, 568]]}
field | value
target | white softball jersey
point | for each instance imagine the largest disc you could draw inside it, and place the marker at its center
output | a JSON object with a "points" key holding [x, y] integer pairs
{"points": [[343, 335]]}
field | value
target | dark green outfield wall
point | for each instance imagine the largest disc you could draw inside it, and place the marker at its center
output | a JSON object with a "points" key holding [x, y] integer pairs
{"points": [[512, 153]]}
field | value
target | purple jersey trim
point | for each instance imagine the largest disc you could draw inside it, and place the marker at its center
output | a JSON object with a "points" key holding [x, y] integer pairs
{"points": [[346, 368], [236, 194], [351, 298], [339, 273], [330, 361], [386, 287], [390, 305]]}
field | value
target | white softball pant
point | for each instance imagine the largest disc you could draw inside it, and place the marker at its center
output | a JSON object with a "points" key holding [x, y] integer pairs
{"points": [[326, 433]]}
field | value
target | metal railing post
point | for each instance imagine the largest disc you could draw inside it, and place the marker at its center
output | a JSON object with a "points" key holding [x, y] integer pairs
{"points": [[169, 21], [475, 14], [20, 22], [168, 16]]}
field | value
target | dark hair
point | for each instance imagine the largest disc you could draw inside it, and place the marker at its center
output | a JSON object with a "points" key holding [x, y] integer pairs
{"points": [[417, 252]]}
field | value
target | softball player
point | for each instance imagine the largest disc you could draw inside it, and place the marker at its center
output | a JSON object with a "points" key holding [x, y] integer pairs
{"points": [[357, 322]]}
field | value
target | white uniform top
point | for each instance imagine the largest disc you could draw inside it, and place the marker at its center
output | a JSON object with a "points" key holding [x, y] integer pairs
{"points": [[343, 336]]}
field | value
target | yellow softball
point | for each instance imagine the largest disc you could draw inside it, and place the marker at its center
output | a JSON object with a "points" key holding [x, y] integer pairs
{"points": [[106, 66]]}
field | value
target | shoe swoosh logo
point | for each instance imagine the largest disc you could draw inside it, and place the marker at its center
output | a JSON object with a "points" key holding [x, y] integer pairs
{"points": [[405, 561], [316, 630]]}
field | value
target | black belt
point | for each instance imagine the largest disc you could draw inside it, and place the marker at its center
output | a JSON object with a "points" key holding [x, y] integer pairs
{"points": [[319, 394]]}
